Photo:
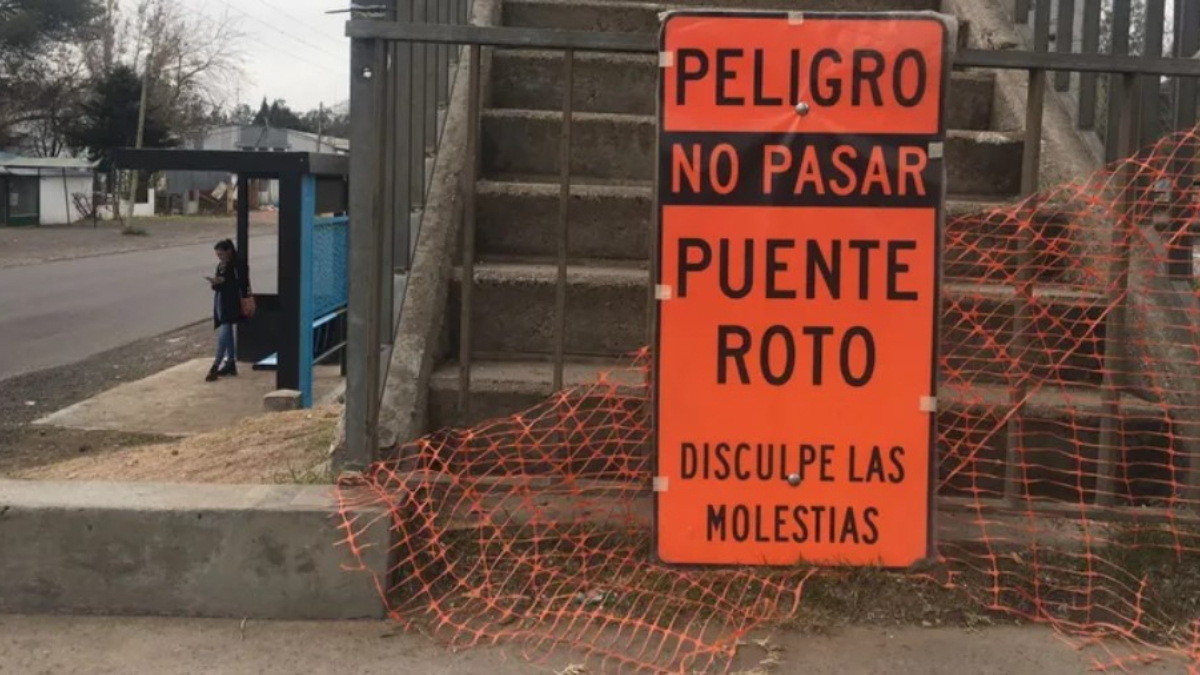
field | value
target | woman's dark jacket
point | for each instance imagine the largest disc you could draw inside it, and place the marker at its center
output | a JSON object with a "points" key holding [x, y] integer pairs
{"points": [[235, 285]]}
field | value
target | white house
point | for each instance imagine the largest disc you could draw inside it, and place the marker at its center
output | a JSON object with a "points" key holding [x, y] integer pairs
{"points": [[45, 190]]}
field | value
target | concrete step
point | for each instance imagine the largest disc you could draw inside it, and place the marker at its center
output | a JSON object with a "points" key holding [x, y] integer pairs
{"points": [[984, 246], [626, 83], [514, 309], [1065, 343], [607, 310], [518, 219], [617, 146], [1058, 441], [642, 17]]}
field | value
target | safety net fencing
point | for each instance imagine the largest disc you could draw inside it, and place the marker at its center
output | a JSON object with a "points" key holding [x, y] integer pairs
{"points": [[1068, 432]]}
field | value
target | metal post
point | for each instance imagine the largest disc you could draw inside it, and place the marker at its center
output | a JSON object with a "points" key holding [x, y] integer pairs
{"points": [[291, 284], [1021, 11], [1110, 452], [402, 147], [1151, 118], [1023, 301], [363, 348], [430, 78], [416, 113], [467, 282], [1187, 21], [1087, 81], [1183, 165], [1064, 40], [564, 205], [1113, 148], [243, 232]]}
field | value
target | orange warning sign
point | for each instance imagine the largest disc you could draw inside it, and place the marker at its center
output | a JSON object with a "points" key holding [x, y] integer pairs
{"points": [[800, 187]]}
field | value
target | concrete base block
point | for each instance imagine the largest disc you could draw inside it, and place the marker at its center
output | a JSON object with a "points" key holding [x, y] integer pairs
{"points": [[282, 400], [257, 551]]}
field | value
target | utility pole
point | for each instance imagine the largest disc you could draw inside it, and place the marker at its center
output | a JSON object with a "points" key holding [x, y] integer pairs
{"points": [[320, 124]]}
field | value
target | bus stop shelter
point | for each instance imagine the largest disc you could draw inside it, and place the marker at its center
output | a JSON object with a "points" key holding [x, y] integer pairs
{"points": [[304, 322]]}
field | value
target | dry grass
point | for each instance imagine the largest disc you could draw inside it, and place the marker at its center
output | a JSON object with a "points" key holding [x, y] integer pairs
{"points": [[275, 448]]}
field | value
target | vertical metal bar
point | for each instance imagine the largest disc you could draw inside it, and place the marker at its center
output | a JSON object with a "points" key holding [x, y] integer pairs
{"points": [[564, 205], [430, 78], [387, 136], [1021, 11], [1120, 45], [416, 110], [1090, 44], [306, 186], [1183, 215], [291, 289], [243, 228], [1183, 167], [1110, 451], [1150, 115], [402, 147], [443, 60], [1023, 301], [467, 283], [1064, 39], [362, 371]]}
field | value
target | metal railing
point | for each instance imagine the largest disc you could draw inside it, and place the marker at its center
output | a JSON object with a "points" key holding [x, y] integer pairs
{"points": [[370, 37], [400, 90], [1151, 28]]}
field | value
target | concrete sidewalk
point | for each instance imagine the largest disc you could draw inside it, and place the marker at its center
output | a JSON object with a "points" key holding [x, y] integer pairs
{"points": [[94, 645], [178, 402]]}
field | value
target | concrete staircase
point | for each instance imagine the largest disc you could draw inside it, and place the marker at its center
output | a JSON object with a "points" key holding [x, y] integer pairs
{"points": [[612, 164]]}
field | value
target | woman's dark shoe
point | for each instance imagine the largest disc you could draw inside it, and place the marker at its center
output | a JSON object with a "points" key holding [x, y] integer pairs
{"points": [[228, 369], [212, 375]]}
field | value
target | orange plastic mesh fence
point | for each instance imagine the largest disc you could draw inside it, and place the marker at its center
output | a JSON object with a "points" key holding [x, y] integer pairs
{"points": [[1069, 451]]}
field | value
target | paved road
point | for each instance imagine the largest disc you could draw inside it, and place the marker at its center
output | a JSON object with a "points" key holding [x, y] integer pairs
{"points": [[58, 313]]}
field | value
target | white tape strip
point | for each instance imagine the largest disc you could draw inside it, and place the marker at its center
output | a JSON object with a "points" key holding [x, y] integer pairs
{"points": [[928, 404], [666, 59], [936, 150], [663, 292], [661, 483], [795, 18]]}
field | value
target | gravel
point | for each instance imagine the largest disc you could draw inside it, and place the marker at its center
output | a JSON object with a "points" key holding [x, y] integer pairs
{"points": [[30, 396]]}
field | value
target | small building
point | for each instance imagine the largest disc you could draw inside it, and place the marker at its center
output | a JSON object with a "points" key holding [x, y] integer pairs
{"points": [[45, 190], [183, 188]]}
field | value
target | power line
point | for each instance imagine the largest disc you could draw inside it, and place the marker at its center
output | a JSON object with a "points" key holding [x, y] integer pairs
{"points": [[281, 31], [283, 51], [297, 20]]}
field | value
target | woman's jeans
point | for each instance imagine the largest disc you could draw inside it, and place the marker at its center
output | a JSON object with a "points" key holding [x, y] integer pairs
{"points": [[225, 344]]}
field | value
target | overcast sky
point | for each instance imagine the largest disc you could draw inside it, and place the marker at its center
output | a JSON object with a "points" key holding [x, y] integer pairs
{"points": [[292, 49]]}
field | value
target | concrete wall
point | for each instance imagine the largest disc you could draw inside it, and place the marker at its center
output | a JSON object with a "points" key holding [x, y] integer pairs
{"points": [[259, 551], [58, 208]]}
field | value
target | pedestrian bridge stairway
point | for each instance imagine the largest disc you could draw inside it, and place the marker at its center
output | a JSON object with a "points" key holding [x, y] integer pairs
{"points": [[1057, 360]]}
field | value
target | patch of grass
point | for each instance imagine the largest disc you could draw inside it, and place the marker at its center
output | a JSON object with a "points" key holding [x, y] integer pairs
{"points": [[132, 230], [316, 468]]}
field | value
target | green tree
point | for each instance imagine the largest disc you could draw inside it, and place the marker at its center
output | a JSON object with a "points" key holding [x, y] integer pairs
{"points": [[108, 118], [278, 115], [38, 76]]}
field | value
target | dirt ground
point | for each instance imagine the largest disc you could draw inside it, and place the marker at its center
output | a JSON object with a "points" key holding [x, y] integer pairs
{"points": [[28, 397], [281, 448], [32, 245], [95, 645]]}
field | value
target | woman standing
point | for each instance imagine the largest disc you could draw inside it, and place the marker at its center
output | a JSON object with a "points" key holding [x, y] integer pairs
{"points": [[231, 288]]}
